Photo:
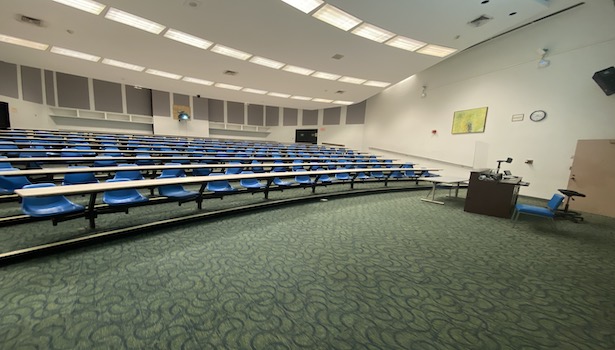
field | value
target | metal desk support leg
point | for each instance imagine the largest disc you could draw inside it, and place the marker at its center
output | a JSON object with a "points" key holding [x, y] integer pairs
{"points": [[91, 213]]}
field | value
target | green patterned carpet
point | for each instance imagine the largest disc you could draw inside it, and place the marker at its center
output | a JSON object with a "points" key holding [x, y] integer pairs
{"points": [[384, 271]]}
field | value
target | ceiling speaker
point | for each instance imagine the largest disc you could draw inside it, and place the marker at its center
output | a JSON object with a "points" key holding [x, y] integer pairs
{"points": [[606, 80]]}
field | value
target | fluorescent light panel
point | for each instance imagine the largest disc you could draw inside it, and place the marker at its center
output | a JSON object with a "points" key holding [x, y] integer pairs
{"points": [[305, 6], [90, 6], [298, 70], [228, 86], [351, 80], [228, 51], [266, 62], [347, 103], [134, 21], [187, 39], [376, 83], [435, 50], [371, 32], [336, 17], [124, 65], [163, 74], [198, 81], [401, 42], [302, 98], [75, 54], [278, 94], [22, 42], [324, 100], [254, 91], [325, 75]]}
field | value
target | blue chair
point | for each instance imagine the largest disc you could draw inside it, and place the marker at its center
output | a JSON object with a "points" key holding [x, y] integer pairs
{"points": [[123, 197], [79, 178], [303, 179], [144, 159], [5, 165], [220, 186], [257, 169], [546, 212], [8, 184], [282, 183], [51, 206], [9, 145], [233, 171], [172, 172], [342, 176], [201, 171], [128, 174], [325, 178], [251, 184], [101, 163], [70, 152], [177, 192]]}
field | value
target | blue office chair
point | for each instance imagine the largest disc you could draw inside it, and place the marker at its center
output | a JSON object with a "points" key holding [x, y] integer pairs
{"points": [[546, 212], [123, 197], [48, 206], [79, 178]]}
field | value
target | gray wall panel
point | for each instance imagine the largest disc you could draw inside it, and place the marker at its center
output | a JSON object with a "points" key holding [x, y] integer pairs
{"points": [[235, 112], [107, 96], [200, 108], [138, 101], [290, 117], [255, 115], [332, 116], [50, 88], [73, 91], [179, 99], [8, 80], [272, 116], [355, 114], [31, 84], [216, 111], [161, 105], [310, 117]]}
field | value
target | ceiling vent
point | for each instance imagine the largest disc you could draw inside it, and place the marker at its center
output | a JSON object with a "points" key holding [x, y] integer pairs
{"points": [[482, 19], [337, 56], [30, 20], [230, 72], [340, 92]]}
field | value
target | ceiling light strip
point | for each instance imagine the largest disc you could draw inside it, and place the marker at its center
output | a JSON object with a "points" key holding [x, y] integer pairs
{"points": [[187, 39], [23, 42], [134, 21], [305, 6], [75, 54], [89, 6], [336, 17], [230, 52], [124, 65], [163, 74]]}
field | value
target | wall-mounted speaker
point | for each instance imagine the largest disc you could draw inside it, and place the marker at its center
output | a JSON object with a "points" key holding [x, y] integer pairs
{"points": [[606, 80]]}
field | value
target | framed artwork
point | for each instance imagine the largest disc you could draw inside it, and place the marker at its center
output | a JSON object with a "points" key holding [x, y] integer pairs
{"points": [[469, 121]]}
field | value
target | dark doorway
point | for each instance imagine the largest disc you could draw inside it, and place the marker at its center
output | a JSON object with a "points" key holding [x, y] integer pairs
{"points": [[5, 121], [306, 135]]}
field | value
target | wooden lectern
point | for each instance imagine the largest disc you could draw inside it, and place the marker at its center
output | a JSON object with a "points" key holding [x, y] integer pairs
{"points": [[491, 197]]}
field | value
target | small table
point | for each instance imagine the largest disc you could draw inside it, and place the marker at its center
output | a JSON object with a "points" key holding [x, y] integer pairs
{"points": [[456, 181]]}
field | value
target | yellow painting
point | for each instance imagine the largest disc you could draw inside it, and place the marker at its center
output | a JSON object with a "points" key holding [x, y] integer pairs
{"points": [[470, 121]]}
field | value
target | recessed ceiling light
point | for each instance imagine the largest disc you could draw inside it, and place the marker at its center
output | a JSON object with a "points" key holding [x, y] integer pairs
{"points": [[134, 21], [336, 17], [198, 81], [228, 86], [305, 6], [298, 70], [188, 39], [254, 91], [228, 51], [278, 94], [75, 54], [90, 6], [324, 100], [325, 75], [376, 83], [343, 102], [163, 74], [401, 42], [371, 32], [22, 42], [124, 65], [352, 80], [435, 50], [302, 98], [266, 62]]}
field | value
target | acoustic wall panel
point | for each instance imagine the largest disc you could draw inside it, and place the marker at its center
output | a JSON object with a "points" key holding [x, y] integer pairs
{"points": [[73, 91], [50, 88], [138, 100], [200, 108], [272, 116], [181, 104], [355, 114], [8, 80], [216, 111], [107, 96], [161, 104], [310, 117], [290, 117], [255, 115], [31, 84], [332, 116], [235, 112]]}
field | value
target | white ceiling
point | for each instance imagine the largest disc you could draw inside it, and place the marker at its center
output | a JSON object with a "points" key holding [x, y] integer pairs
{"points": [[268, 28]]}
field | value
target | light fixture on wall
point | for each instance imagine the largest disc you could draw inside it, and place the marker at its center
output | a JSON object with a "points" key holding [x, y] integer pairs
{"points": [[183, 116], [424, 92], [543, 63]]}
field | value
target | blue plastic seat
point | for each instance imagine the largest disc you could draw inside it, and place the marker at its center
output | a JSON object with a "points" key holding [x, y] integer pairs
{"points": [[128, 174], [79, 178], [48, 206], [546, 212], [70, 152], [8, 184], [233, 171], [144, 159], [123, 197], [219, 186], [5, 165], [9, 145], [325, 178], [252, 184], [257, 169], [177, 192], [172, 172], [343, 176], [282, 183], [303, 179], [105, 162]]}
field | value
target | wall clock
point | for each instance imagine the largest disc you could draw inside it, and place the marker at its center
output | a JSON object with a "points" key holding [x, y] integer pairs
{"points": [[538, 115]]}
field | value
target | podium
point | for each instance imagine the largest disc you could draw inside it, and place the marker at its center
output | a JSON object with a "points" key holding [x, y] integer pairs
{"points": [[491, 197]]}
